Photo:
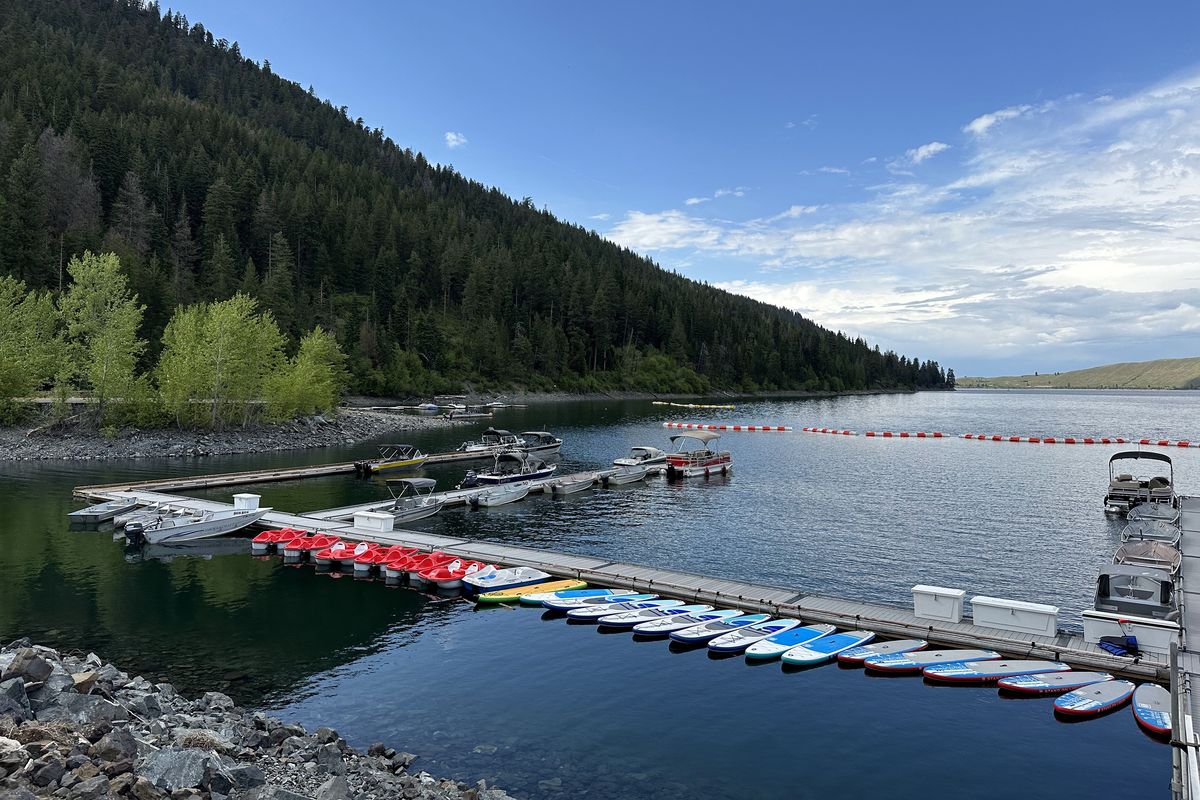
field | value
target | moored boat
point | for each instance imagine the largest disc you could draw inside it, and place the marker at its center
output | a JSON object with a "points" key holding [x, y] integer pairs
{"points": [[498, 579], [642, 456], [510, 466], [391, 457], [450, 576], [102, 512], [187, 529], [413, 567], [701, 460], [540, 442], [626, 475], [491, 442], [413, 499], [377, 559], [299, 547], [269, 541], [562, 487], [1126, 491], [499, 495]]}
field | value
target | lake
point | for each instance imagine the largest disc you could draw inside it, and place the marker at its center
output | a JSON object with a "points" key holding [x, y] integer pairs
{"points": [[549, 709]]}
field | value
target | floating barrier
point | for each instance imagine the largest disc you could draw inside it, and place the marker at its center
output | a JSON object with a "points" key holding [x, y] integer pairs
{"points": [[699, 426], [1168, 443], [1050, 439], [688, 405], [837, 431], [906, 434]]}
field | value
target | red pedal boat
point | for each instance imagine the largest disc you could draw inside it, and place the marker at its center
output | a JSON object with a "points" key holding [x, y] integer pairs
{"points": [[397, 567], [343, 554], [450, 576], [380, 557], [417, 565], [267, 541], [301, 546]]}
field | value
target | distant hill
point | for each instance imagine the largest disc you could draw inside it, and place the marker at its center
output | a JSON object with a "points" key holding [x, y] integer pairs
{"points": [[1165, 373]]}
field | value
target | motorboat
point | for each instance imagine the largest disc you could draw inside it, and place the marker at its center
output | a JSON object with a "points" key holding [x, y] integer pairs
{"points": [[1149, 553], [494, 580], [1153, 512], [499, 495], [561, 488], [1151, 530], [152, 513], [186, 529], [626, 475], [490, 442], [642, 456], [413, 499], [1127, 490], [102, 512], [268, 541], [540, 442], [427, 407], [391, 457], [701, 459], [510, 466], [380, 557], [1135, 591], [450, 576]]}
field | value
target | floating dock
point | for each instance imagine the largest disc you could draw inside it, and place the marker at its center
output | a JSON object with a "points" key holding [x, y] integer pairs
{"points": [[1185, 661], [693, 587]]}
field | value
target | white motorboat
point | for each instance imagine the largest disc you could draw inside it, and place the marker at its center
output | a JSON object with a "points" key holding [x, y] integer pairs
{"points": [[151, 513], [626, 475], [642, 456], [541, 442], [500, 495], [561, 488], [170, 530], [1126, 491], [510, 466], [491, 442], [409, 504], [701, 460]]}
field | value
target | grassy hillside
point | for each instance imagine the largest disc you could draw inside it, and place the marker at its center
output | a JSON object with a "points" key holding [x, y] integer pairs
{"points": [[1165, 373]]}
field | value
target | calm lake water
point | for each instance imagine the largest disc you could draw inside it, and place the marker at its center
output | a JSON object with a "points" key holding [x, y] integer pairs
{"points": [[547, 709]]}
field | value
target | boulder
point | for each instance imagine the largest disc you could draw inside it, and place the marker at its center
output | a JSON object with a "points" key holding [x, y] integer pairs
{"points": [[90, 789], [146, 706], [49, 691], [82, 709], [12, 755], [117, 745], [84, 681], [216, 701], [27, 664], [329, 759], [247, 776], [325, 735], [14, 702], [175, 769], [143, 789], [46, 770], [336, 788]]}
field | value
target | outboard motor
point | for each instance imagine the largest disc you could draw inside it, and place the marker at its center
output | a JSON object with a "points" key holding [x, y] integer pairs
{"points": [[469, 481], [135, 534]]}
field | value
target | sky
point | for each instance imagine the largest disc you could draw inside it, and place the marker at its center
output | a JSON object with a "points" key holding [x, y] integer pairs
{"points": [[1003, 187]]}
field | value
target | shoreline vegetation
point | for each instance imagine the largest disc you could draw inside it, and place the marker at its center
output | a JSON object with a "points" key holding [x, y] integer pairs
{"points": [[76, 727]]}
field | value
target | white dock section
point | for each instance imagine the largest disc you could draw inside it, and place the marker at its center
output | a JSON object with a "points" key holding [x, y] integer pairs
{"points": [[1185, 661]]}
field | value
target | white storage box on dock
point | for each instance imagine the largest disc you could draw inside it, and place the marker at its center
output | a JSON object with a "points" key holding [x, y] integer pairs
{"points": [[1015, 615], [246, 502], [938, 602], [374, 521], [1153, 635]]}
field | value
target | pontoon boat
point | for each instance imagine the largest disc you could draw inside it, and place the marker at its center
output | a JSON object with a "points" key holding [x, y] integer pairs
{"points": [[1126, 491], [699, 461]]}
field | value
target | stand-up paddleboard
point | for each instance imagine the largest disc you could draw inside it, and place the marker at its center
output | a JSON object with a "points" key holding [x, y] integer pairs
{"points": [[917, 661], [991, 670], [663, 626], [539, 597], [631, 618], [856, 655], [1052, 682], [825, 648], [1094, 699], [568, 603], [739, 640], [710, 630], [1152, 708], [780, 643], [593, 613], [520, 592]]}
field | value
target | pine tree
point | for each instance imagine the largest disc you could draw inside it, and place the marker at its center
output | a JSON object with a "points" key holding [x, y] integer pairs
{"points": [[250, 285], [24, 249], [183, 258], [278, 290], [130, 218], [220, 274]]}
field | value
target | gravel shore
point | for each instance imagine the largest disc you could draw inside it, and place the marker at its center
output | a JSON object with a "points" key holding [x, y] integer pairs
{"points": [[77, 728], [349, 426]]}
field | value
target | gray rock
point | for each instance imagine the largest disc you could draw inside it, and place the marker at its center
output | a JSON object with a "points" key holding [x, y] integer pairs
{"points": [[175, 769], [14, 702], [20, 793], [143, 789], [216, 701], [274, 793], [84, 681], [247, 776], [117, 745], [147, 706], [29, 665], [90, 789], [46, 770], [336, 788], [82, 709], [329, 759], [50, 690], [217, 779], [12, 755], [325, 735]]}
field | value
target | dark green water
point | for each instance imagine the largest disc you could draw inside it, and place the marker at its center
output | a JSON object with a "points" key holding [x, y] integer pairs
{"points": [[525, 701]]}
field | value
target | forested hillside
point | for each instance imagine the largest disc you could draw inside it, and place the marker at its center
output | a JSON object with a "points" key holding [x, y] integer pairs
{"points": [[126, 130]]}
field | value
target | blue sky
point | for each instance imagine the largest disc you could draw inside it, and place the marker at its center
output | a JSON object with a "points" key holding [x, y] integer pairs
{"points": [[1005, 187]]}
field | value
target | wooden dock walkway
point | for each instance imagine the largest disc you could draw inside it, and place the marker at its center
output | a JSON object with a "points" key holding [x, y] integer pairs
{"points": [[1185, 660], [782, 601]]}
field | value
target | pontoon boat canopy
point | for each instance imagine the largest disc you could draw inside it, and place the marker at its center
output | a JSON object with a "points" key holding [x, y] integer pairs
{"points": [[416, 483], [1140, 454], [495, 432], [702, 436]]}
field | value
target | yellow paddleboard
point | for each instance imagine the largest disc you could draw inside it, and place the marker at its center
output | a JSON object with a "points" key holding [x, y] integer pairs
{"points": [[515, 593]]}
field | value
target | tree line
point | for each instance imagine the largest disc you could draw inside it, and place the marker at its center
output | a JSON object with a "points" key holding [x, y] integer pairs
{"points": [[220, 363], [127, 130]]}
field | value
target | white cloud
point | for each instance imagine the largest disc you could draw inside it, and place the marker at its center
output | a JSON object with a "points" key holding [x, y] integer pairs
{"points": [[455, 140], [1068, 233], [602, 216], [983, 123], [833, 170], [737, 191], [926, 152], [695, 201]]}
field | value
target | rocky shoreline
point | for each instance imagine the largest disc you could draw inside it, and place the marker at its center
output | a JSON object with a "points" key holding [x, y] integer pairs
{"points": [[349, 426], [78, 728]]}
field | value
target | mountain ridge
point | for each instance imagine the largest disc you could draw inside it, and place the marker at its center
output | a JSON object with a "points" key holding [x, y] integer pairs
{"points": [[1163, 373]]}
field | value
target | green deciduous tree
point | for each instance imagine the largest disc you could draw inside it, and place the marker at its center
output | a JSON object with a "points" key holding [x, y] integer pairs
{"points": [[29, 344], [310, 382]]}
